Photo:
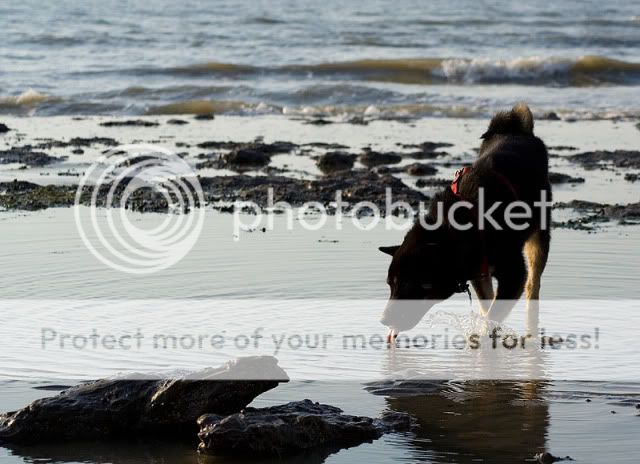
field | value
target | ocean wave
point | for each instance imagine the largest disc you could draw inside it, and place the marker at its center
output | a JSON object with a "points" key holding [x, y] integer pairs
{"points": [[27, 99], [306, 103], [585, 70], [590, 70]]}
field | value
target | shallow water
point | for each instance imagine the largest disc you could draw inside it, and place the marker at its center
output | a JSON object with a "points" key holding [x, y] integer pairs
{"points": [[446, 58], [288, 280]]}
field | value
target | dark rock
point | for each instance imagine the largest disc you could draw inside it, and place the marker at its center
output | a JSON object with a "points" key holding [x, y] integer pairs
{"points": [[177, 122], [77, 151], [274, 148], [432, 146], [581, 205], [562, 148], [244, 159], [335, 161], [3, 128], [420, 169], [598, 213], [319, 122], [24, 155], [621, 212], [359, 186], [277, 147], [326, 146], [86, 142], [130, 122], [245, 156], [609, 212], [404, 387], [292, 428], [212, 144], [204, 117], [372, 158], [601, 158], [358, 121], [126, 407], [559, 178], [631, 177], [47, 144], [35, 197], [17, 186], [550, 116], [548, 458], [426, 150], [388, 170]]}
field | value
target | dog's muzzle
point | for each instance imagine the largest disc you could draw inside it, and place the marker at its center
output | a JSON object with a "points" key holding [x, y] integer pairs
{"points": [[400, 315]]}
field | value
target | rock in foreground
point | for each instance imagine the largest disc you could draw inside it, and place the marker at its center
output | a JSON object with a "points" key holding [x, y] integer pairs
{"points": [[126, 407], [292, 428]]}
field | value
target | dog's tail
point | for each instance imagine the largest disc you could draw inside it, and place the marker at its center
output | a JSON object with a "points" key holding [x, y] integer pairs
{"points": [[518, 121]]}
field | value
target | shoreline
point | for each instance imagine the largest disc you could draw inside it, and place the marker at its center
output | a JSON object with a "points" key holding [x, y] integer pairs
{"points": [[42, 160]]}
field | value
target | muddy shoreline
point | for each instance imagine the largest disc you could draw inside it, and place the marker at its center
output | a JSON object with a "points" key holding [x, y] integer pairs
{"points": [[254, 171]]}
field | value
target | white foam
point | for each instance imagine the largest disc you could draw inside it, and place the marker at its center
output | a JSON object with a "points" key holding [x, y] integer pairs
{"points": [[485, 69]]}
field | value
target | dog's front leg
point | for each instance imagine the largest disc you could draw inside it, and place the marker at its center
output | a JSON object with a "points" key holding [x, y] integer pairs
{"points": [[484, 289], [511, 276]]}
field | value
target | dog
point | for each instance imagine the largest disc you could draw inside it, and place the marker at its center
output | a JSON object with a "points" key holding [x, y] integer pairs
{"points": [[436, 259]]}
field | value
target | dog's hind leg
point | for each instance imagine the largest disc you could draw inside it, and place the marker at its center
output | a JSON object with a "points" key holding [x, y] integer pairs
{"points": [[484, 289], [536, 249], [511, 275]]}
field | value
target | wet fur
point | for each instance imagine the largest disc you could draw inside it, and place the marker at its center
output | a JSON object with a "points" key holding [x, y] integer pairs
{"points": [[429, 264]]}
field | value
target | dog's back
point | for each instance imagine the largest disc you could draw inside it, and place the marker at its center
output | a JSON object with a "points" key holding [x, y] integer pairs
{"points": [[510, 148]]}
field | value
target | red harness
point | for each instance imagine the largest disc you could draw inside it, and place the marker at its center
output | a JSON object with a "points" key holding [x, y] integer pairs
{"points": [[455, 189]]}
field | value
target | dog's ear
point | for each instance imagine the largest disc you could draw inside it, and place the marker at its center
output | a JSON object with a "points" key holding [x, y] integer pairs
{"points": [[389, 250], [522, 113]]}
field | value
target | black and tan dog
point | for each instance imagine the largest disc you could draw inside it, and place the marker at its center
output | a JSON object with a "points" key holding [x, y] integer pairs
{"points": [[436, 261]]}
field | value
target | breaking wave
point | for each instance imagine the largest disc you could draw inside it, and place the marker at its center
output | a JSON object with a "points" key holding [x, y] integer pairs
{"points": [[583, 71], [27, 99]]}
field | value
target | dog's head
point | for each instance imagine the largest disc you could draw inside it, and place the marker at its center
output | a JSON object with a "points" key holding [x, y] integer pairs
{"points": [[422, 272], [518, 121]]}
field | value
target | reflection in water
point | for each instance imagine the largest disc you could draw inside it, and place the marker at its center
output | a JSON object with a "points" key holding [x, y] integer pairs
{"points": [[471, 419], [148, 452], [478, 420]]}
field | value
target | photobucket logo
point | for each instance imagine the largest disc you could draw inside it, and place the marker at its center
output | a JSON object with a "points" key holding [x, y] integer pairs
{"points": [[143, 178], [395, 215]]}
